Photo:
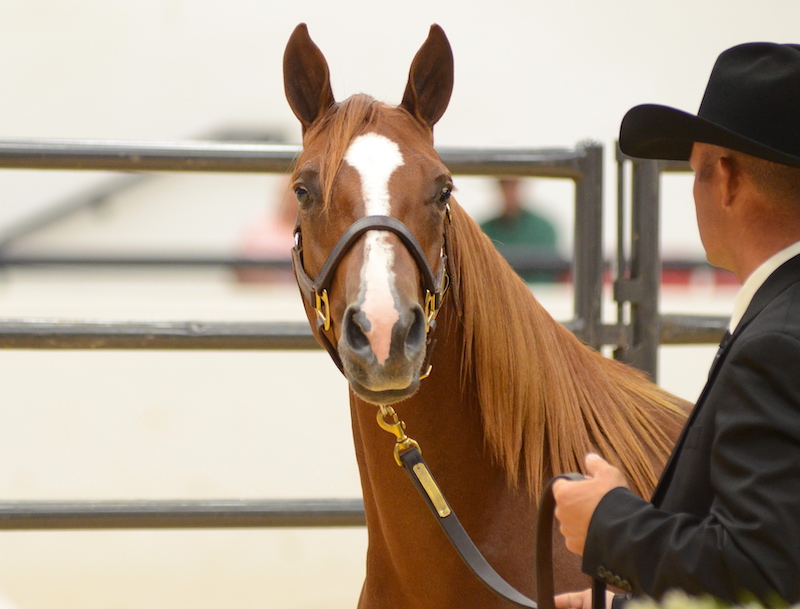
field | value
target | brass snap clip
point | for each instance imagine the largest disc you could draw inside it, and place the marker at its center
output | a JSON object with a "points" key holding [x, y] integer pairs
{"points": [[397, 427]]}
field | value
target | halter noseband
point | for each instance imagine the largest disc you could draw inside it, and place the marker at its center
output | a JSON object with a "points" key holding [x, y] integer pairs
{"points": [[315, 291]]}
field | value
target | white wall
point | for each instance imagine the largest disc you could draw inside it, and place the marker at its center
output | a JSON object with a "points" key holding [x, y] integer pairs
{"points": [[528, 73]]}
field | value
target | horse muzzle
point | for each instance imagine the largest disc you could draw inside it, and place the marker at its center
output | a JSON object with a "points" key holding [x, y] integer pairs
{"points": [[383, 365]]}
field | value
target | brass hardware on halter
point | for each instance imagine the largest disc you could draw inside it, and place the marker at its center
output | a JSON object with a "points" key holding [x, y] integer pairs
{"points": [[323, 309], [433, 302], [431, 310], [398, 428]]}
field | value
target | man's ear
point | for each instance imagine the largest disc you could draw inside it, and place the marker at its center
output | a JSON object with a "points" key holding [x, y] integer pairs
{"points": [[730, 179]]}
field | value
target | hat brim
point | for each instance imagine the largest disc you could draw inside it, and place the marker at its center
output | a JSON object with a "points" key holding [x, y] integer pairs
{"points": [[651, 131]]}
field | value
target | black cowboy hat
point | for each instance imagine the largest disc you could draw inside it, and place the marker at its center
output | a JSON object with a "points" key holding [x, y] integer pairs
{"points": [[751, 104]]}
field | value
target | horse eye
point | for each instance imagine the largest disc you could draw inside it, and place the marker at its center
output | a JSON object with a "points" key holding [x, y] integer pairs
{"points": [[302, 194], [444, 194]]}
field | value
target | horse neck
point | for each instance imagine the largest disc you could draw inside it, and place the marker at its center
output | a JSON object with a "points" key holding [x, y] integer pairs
{"points": [[444, 417]]}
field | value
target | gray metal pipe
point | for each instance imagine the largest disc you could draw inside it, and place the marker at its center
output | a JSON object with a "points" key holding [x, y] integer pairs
{"points": [[692, 329], [218, 513], [43, 334], [258, 336], [208, 156], [143, 261]]}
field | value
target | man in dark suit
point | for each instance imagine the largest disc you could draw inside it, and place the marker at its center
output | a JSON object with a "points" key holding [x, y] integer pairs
{"points": [[725, 517]]}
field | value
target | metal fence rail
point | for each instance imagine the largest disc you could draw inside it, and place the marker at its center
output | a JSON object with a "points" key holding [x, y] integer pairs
{"points": [[213, 156], [162, 335], [199, 514], [58, 334], [33, 260]]}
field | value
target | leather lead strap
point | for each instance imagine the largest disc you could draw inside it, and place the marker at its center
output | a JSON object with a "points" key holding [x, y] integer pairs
{"points": [[473, 558]]}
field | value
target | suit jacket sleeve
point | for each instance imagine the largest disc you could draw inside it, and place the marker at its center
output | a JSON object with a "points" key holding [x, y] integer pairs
{"points": [[747, 540]]}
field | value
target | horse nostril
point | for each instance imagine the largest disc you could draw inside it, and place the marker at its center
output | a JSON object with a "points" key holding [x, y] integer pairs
{"points": [[354, 329], [417, 334]]}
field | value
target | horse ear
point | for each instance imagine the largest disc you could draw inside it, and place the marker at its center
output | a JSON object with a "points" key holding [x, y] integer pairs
{"points": [[430, 80], [306, 78]]}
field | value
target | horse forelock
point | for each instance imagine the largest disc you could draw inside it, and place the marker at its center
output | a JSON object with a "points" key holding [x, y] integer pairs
{"points": [[546, 399], [340, 125]]}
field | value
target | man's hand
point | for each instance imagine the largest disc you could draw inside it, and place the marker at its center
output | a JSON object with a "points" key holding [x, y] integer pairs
{"points": [[580, 600], [576, 501]]}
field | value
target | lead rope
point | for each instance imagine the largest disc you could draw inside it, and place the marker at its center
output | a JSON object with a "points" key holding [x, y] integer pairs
{"points": [[408, 455]]}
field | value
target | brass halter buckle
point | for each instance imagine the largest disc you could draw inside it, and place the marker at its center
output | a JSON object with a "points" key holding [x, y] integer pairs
{"points": [[431, 310], [323, 309], [433, 301]]}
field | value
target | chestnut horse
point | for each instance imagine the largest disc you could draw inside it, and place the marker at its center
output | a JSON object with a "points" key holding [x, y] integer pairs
{"points": [[512, 396]]}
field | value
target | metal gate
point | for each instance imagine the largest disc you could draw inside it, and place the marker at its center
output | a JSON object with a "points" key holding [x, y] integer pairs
{"points": [[635, 335]]}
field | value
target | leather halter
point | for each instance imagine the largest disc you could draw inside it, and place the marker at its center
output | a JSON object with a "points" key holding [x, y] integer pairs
{"points": [[315, 291]]}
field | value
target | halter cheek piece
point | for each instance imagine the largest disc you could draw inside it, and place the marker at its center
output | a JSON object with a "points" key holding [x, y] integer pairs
{"points": [[315, 291]]}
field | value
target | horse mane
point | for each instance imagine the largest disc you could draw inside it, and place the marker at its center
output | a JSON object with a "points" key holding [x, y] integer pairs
{"points": [[341, 124], [546, 398]]}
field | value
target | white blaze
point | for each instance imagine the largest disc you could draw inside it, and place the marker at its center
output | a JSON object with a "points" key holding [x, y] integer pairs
{"points": [[375, 158]]}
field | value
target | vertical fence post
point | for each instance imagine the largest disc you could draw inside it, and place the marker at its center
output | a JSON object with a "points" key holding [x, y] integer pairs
{"points": [[588, 265], [638, 283]]}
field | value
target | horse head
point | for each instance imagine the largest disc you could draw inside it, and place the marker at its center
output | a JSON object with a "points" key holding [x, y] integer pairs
{"points": [[373, 215]]}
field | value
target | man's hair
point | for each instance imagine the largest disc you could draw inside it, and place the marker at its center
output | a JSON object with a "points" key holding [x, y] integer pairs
{"points": [[780, 183]]}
